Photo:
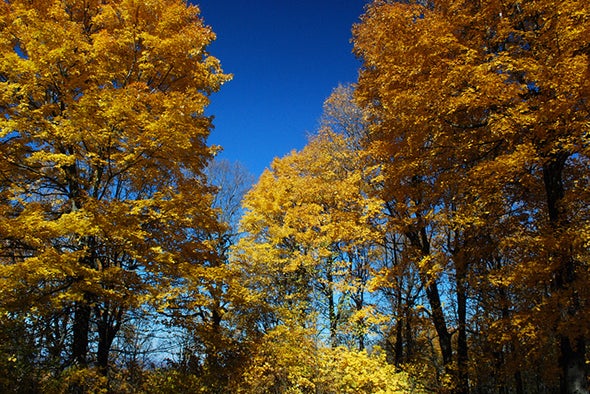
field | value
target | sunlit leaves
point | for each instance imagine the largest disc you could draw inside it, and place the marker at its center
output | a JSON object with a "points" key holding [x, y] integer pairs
{"points": [[103, 195], [479, 120], [310, 231], [289, 361]]}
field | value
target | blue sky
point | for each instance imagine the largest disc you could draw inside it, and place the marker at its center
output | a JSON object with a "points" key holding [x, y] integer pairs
{"points": [[286, 57]]}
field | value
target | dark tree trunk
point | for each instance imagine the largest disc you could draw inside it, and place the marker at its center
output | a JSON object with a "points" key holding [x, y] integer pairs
{"points": [[399, 327], [440, 325], [399, 346], [573, 366], [572, 360], [332, 313], [409, 336], [519, 382], [462, 354], [82, 309], [81, 328], [109, 323], [105, 340], [420, 240]]}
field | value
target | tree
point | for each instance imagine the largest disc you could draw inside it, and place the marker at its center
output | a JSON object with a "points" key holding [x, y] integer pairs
{"points": [[397, 294], [207, 311], [343, 116], [480, 121], [104, 201], [310, 236]]}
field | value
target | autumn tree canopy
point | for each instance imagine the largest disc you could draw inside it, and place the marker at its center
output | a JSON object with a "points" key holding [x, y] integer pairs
{"points": [[103, 145], [432, 235], [479, 116]]}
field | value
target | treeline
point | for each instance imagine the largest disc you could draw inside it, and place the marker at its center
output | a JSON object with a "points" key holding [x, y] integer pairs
{"points": [[432, 236]]}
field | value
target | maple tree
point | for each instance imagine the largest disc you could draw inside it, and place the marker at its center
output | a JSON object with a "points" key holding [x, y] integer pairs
{"points": [[431, 236], [311, 242], [399, 294], [104, 201], [309, 230], [479, 118]]}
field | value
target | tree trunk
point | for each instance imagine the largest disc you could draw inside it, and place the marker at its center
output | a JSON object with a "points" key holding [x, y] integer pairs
{"points": [[105, 340], [81, 328], [332, 314], [409, 335], [519, 383], [399, 328], [462, 354], [421, 241], [440, 325], [399, 347], [109, 323], [572, 360], [573, 365], [82, 309]]}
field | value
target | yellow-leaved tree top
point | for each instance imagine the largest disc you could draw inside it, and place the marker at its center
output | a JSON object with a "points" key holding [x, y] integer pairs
{"points": [[102, 149], [480, 122], [310, 231]]}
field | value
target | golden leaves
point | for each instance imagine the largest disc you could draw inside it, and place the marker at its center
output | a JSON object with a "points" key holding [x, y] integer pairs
{"points": [[309, 196], [310, 225], [103, 147], [479, 115], [288, 360]]}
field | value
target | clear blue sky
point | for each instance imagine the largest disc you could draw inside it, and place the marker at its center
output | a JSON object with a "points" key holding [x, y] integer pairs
{"points": [[286, 57]]}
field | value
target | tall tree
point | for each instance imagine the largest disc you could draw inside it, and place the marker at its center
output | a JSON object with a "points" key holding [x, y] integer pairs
{"points": [[103, 145], [342, 115], [481, 122], [310, 228]]}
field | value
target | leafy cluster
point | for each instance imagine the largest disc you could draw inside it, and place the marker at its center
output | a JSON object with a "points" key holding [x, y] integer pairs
{"points": [[432, 236]]}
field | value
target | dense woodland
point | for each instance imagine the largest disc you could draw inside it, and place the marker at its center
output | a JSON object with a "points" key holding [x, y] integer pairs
{"points": [[433, 236]]}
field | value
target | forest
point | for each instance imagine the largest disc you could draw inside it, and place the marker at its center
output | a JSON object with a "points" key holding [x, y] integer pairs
{"points": [[433, 236]]}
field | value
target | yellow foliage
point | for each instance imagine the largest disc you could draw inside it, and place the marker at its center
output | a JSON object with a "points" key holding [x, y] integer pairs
{"points": [[479, 124], [103, 198], [88, 380], [309, 224], [286, 360]]}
